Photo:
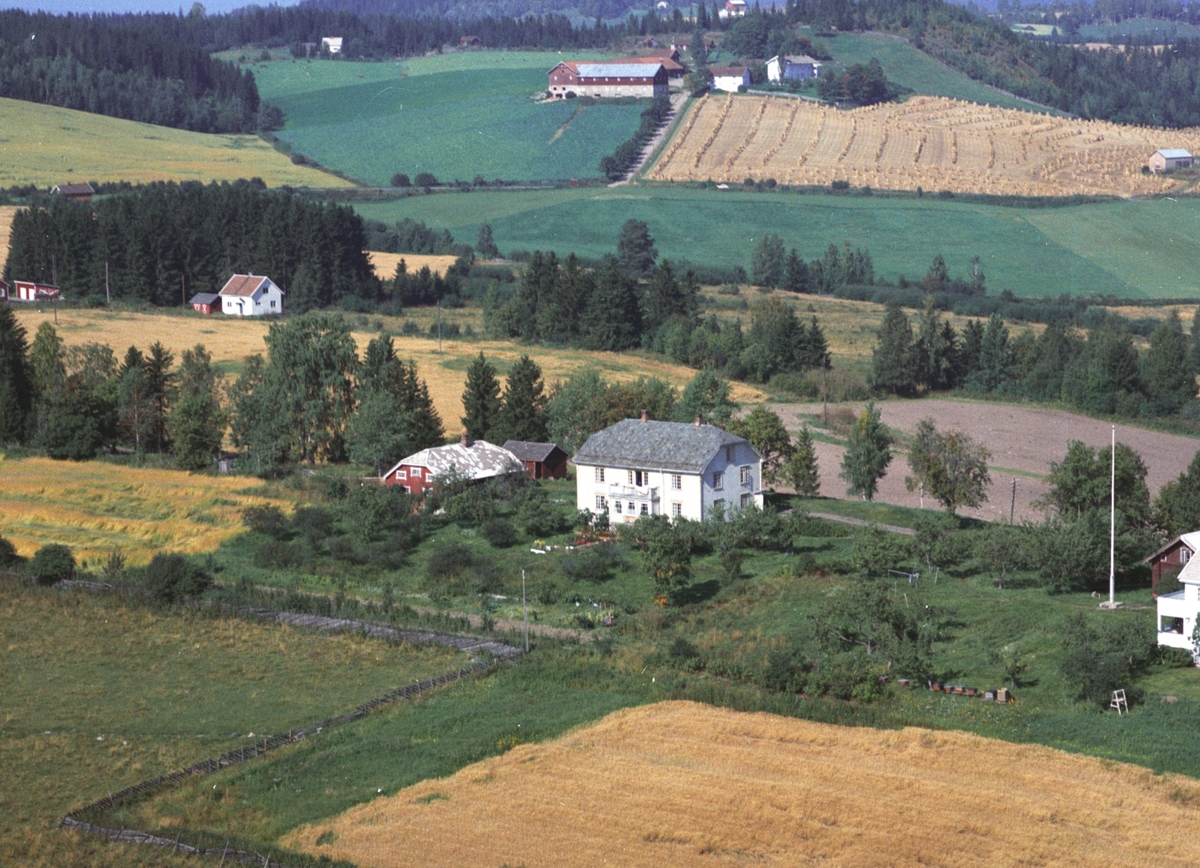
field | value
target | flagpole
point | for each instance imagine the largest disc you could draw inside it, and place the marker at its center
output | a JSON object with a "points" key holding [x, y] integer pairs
{"points": [[1112, 521]]}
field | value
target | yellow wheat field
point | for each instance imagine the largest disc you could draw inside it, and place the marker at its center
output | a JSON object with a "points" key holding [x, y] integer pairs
{"points": [[385, 263], [6, 218], [96, 508], [682, 784], [929, 142], [232, 339]]}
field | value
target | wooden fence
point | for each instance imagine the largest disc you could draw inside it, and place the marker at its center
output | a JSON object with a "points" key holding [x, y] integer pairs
{"points": [[88, 819]]}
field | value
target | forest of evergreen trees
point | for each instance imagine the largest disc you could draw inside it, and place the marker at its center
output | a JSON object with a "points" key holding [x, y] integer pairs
{"points": [[147, 68], [164, 242]]}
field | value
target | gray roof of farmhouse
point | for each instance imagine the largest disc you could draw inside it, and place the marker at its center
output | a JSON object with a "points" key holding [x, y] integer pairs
{"points": [[527, 450], [1174, 153], [477, 459], [617, 70], [632, 443]]}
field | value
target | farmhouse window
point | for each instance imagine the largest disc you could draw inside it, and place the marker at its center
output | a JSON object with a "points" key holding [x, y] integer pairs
{"points": [[676, 510], [728, 453], [718, 480], [744, 474], [617, 507], [645, 509], [632, 507], [1184, 554], [402, 474], [639, 477], [676, 482], [747, 500], [601, 503], [599, 474]]}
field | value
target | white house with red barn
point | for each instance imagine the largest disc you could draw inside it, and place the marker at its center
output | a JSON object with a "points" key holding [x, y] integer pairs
{"points": [[28, 290], [251, 295], [630, 77], [474, 460]]}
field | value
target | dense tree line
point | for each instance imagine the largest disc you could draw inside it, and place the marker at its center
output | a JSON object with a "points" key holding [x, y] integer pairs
{"points": [[166, 241], [619, 162], [1097, 370], [145, 68], [310, 398], [631, 300]]}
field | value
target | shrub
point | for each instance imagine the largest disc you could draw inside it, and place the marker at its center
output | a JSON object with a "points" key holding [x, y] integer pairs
{"points": [[499, 533], [277, 554], [171, 577], [470, 506], [52, 563], [425, 179], [314, 523], [401, 180], [267, 520], [593, 564], [449, 560], [8, 555]]}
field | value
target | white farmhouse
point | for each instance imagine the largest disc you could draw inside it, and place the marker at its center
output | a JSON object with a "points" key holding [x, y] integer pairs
{"points": [[793, 67], [730, 78], [333, 44], [639, 467], [250, 295], [1177, 612]]}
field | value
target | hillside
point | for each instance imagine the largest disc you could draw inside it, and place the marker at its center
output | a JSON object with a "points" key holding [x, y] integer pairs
{"points": [[456, 116], [45, 145], [682, 783], [927, 142]]}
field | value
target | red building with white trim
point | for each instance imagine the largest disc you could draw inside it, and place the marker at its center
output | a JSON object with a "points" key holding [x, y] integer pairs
{"points": [[476, 460]]}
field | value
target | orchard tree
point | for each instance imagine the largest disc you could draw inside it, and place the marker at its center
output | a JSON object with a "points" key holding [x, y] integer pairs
{"points": [[868, 453], [1080, 482]]}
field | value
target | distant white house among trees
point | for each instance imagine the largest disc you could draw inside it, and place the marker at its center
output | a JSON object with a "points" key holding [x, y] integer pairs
{"points": [[730, 78], [251, 295], [793, 67], [678, 469], [332, 44], [1178, 611]]}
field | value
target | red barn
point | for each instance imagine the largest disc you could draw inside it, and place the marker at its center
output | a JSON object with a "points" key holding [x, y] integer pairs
{"points": [[28, 290], [476, 460], [630, 77], [206, 302], [75, 192], [542, 460], [1172, 556]]}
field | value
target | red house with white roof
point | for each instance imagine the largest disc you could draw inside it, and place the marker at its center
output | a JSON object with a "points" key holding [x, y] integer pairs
{"points": [[476, 460]]}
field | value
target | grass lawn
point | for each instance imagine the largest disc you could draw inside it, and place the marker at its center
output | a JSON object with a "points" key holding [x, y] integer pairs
{"points": [[99, 696], [1087, 250], [457, 117], [912, 68], [46, 145]]}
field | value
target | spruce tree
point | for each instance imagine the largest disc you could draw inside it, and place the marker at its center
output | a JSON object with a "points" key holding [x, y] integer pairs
{"points": [[160, 385], [485, 246], [891, 362], [481, 399], [1166, 369], [795, 274], [801, 471], [16, 387], [197, 421], [636, 252], [523, 413]]}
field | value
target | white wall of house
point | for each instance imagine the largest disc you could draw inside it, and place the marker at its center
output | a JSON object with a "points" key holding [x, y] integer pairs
{"points": [[733, 479], [264, 302], [730, 83], [1177, 615]]}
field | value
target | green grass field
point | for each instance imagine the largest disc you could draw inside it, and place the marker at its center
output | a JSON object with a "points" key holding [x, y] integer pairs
{"points": [[46, 145], [1117, 248], [100, 695], [456, 116], [909, 67]]}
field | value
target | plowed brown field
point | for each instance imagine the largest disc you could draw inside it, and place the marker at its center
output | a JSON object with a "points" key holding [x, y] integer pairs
{"points": [[929, 142], [682, 784]]}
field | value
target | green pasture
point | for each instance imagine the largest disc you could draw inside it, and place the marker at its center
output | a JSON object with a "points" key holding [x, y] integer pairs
{"points": [[1137, 249], [456, 116], [100, 695], [912, 68]]}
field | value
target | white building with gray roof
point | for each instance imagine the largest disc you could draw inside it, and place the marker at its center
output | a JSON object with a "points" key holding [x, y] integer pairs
{"points": [[640, 467]]}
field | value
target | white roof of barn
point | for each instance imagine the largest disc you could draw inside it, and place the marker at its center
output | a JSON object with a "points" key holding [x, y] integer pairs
{"points": [[475, 460], [1173, 153], [618, 70]]}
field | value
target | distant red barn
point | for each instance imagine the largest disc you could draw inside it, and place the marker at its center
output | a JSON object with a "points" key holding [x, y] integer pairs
{"points": [[206, 302], [542, 460], [28, 290]]}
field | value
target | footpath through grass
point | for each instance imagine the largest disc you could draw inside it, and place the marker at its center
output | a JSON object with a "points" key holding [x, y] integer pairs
{"points": [[473, 115], [1085, 250], [100, 695]]}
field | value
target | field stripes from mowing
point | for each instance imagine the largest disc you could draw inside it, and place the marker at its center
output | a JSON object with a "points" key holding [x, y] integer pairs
{"points": [[929, 143]]}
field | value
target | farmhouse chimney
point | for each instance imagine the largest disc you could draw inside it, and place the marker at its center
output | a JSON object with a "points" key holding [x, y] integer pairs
{"points": [[645, 416], [697, 420], [465, 440]]}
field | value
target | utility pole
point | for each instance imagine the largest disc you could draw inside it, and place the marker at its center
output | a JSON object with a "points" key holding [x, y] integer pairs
{"points": [[525, 611], [825, 387], [182, 292], [107, 295], [439, 316], [1012, 506]]}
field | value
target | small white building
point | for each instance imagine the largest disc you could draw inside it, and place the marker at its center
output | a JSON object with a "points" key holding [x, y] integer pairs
{"points": [[1177, 612], [331, 43], [792, 67], [638, 467], [733, 9], [730, 78], [251, 295], [1169, 158]]}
